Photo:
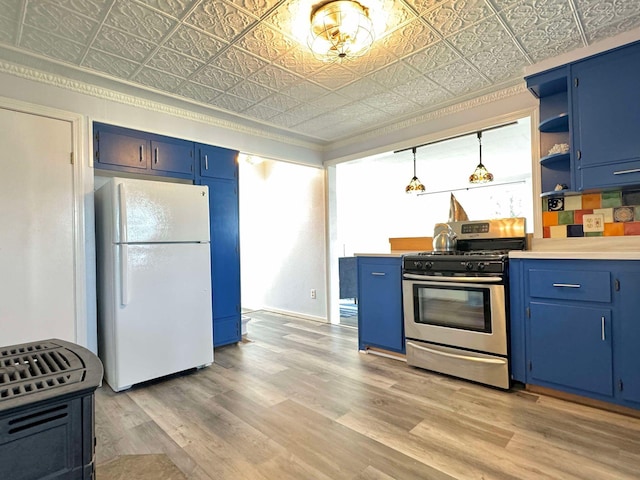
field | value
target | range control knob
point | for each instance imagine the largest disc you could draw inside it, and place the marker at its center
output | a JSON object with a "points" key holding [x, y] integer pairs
{"points": [[428, 265], [481, 266], [469, 266], [417, 264]]}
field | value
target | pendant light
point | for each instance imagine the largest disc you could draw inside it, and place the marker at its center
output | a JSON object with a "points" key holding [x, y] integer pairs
{"points": [[480, 174], [415, 186]]}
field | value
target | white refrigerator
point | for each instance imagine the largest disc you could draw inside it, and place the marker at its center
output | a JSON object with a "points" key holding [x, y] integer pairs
{"points": [[154, 279]]}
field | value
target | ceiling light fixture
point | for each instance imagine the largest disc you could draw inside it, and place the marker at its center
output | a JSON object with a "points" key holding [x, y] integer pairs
{"points": [[480, 174], [415, 186], [338, 30]]}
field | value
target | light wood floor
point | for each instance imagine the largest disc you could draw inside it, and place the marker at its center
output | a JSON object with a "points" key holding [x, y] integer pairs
{"points": [[299, 402]]}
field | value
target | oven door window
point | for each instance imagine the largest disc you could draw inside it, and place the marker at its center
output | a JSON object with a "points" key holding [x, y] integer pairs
{"points": [[465, 308]]}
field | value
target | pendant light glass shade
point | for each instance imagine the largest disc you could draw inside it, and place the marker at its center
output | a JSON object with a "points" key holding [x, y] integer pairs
{"points": [[480, 174], [415, 186]]}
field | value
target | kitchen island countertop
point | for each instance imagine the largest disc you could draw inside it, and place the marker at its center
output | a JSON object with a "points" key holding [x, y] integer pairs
{"points": [[604, 255]]}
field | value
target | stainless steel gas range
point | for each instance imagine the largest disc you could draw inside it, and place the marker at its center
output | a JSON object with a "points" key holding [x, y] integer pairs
{"points": [[456, 313]]}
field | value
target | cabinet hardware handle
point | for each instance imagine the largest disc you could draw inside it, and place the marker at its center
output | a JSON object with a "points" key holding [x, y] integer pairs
{"points": [[155, 152], [624, 172], [141, 152], [378, 274], [579, 154], [124, 275], [567, 285], [602, 325], [206, 162]]}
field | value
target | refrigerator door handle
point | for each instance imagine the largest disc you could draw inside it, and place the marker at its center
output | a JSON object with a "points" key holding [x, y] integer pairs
{"points": [[122, 206], [124, 271]]}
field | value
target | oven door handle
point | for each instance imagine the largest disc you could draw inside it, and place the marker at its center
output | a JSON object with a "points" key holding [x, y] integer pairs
{"points": [[434, 278], [494, 361]]}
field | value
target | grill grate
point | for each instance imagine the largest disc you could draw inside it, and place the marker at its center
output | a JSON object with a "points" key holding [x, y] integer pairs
{"points": [[37, 367]]}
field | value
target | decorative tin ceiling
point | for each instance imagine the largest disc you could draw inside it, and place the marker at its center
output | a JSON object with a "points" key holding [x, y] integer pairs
{"points": [[238, 56]]}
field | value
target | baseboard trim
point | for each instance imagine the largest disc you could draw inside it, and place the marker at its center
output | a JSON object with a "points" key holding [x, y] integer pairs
{"points": [[590, 402], [289, 313]]}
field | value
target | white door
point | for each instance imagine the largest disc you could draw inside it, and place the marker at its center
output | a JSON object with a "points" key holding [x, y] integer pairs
{"points": [[162, 321], [148, 211], [37, 281]]}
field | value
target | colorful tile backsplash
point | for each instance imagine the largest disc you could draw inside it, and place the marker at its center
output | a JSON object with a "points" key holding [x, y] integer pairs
{"points": [[563, 217]]}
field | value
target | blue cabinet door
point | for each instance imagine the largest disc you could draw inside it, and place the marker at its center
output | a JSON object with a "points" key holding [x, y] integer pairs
{"points": [[570, 346], [627, 335], [225, 259], [606, 115], [120, 149], [380, 322], [517, 324], [172, 155], [217, 162]]}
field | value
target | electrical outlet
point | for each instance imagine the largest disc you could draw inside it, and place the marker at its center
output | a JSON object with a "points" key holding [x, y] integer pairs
{"points": [[313, 293]]}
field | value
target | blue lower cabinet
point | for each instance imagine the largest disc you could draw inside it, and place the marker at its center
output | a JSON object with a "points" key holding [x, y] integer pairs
{"points": [[380, 320], [576, 325]]}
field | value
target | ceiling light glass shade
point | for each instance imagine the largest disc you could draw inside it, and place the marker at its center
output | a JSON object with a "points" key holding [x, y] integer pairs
{"points": [[480, 174], [340, 30], [415, 185]]}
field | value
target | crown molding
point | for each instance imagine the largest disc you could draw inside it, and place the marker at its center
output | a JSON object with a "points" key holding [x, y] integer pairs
{"points": [[85, 88]]}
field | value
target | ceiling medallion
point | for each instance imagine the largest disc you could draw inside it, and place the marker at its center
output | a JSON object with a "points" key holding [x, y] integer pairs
{"points": [[339, 30]]}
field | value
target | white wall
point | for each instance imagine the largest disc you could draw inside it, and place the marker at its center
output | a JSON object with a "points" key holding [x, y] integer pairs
{"points": [[282, 238]]}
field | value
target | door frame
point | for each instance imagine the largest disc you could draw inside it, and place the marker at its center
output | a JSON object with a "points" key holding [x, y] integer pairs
{"points": [[83, 219]]}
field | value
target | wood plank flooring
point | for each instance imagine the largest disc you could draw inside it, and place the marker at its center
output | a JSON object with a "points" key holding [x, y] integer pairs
{"points": [[298, 401]]}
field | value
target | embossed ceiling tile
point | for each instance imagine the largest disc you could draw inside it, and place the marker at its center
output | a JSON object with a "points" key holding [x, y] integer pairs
{"points": [[256, 7], [231, 103], [422, 91], [282, 16], [422, 6], [552, 50], [409, 38], [157, 79], [432, 57], [197, 92], [458, 77], [384, 99], [104, 62], [499, 68], [333, 77], [280, 102], [250, 91], [398, 14], [331, 101], [361, 89], [8, 30], [550, 33], [455, 15], [49, 17], [599, 14], [216, 78], [266, 42], [122, 44], [613, 29], [50, 45], [238, 62], [526, 16], [285, 120], [261, 112], [500, 53], [220, 19], [300, 61], [305, 111], [139, 20], [395, 74], [481, 36], [174, 63], [275, 77], [395, 104], [10, 9], [175, 8], [194, 43], [88, 8], [305, 91], [375, 58]]}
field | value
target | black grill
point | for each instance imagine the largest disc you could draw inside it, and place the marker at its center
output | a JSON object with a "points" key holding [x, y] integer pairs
{"points": [[47, 411]]}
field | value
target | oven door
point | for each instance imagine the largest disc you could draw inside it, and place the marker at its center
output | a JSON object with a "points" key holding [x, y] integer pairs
{"points": [[464, 312]]}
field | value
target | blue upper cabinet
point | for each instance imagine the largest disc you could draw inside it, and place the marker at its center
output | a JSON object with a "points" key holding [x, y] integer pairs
{"points": [[217, 162], [133, 151], [593, 106], [606, 118]]}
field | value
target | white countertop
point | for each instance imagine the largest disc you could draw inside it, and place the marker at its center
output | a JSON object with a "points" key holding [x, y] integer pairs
{"points": [[606, 255], [392, 254]]}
